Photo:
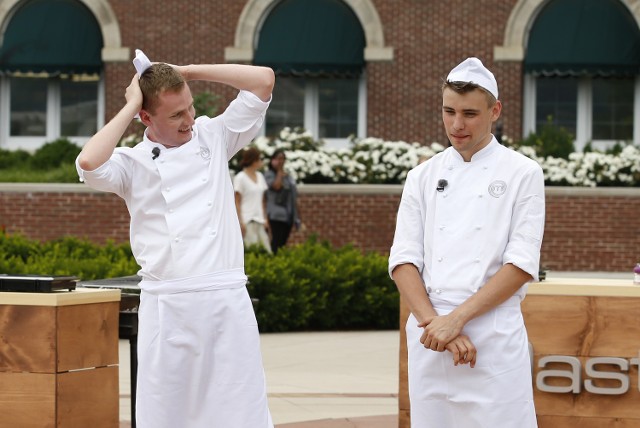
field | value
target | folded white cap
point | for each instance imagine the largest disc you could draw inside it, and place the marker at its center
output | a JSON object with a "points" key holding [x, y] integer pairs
{"points": [[141, 62], [471, 70]]}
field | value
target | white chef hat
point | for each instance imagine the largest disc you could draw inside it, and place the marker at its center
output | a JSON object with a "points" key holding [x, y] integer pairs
{"points": [[141, 62], [471, 70]]}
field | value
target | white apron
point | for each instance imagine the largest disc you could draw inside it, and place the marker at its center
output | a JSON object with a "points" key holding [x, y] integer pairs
{"points": [[496, 393], [216, 381]]}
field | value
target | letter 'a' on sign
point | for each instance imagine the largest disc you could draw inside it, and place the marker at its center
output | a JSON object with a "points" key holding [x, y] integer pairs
{"points": [[573, 375], [590, 370]]}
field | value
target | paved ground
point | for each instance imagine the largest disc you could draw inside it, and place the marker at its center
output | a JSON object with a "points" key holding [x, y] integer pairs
{"points": [[319, 380]]}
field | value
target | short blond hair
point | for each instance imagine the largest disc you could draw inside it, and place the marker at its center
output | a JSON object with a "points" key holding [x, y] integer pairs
{"points": [[465, 87], [155, 80]]}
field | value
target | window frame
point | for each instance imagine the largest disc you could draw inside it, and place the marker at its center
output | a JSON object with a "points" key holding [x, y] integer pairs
{"points": [[311, 115], [53, 117], [584, 118]]}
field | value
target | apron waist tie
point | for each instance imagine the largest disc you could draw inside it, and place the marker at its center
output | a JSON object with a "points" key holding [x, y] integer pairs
{"points": [[232, 278]]}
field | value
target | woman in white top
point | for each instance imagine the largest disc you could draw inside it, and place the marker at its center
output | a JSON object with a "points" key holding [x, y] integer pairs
{"points": [[250, 187]]}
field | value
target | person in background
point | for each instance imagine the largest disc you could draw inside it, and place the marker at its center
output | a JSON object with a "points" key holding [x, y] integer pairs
{"points": [[467, 241], [250, 187], [199, 358], [282, 201]]}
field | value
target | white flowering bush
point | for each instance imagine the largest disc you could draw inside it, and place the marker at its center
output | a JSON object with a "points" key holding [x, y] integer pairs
{"points": [[375, 161], [590, 169]]}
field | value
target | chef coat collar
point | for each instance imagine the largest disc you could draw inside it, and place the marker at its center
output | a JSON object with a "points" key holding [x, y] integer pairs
{"points": [[151, 143], [481, 154]]}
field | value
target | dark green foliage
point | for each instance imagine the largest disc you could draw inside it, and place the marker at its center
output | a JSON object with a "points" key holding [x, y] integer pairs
{"points": [[314, 287], [65, 256], [54, 154], [13, 159], [552, 140], [207, 104], [310, 286]]}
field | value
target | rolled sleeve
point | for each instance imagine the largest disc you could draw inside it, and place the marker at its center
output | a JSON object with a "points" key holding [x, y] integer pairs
{"points": [[408, 240], [523, 249], [247, 111], [108, 177]]}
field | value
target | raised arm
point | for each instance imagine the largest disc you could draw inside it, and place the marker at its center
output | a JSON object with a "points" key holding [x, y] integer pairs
{"points": [[259, 80], [100, 147]]}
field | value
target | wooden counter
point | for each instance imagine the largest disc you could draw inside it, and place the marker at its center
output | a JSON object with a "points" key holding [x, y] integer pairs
{"points": [[585, 339], [59, 359]]}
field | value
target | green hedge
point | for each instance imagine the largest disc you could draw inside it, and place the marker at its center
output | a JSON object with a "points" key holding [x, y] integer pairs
{"points": [[310, 286]]}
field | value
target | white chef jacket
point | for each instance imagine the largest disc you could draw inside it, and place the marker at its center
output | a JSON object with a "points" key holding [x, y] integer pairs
{"points": [[183, 217], [198, 345], [458, 234], [490, 213]]}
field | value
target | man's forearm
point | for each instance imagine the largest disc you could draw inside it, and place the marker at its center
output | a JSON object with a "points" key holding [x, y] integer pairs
{"points": [[500, 287], [411, 287], [100, 147], [259, 80]]}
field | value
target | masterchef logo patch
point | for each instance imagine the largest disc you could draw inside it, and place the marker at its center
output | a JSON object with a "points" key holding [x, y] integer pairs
{"points": [[497, 188]]}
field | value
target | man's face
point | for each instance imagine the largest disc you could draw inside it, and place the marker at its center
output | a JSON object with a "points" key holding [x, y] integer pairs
{"points": [[170, 124], [467, 120]]}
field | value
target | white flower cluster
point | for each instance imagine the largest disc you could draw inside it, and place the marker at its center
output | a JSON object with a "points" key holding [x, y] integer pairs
{"points": [[591, 169], [370, 160], [375, 161]]}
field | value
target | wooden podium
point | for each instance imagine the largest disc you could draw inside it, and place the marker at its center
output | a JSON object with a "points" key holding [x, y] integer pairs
{"points": [[59, 359], [585, 338]]}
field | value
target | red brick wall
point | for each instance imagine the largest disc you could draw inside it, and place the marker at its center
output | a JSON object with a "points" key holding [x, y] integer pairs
{"points": [[586, 229], [428, 37]]}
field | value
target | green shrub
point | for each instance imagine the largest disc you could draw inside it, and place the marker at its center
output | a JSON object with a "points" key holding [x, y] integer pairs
{"points": [[552, 141], [13, 158], [65, 256], [312, 286], [54, 154]]}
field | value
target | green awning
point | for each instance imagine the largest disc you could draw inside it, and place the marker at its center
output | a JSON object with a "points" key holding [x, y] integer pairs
{"points": [[312, 38], [53, 36], [584, 37]]}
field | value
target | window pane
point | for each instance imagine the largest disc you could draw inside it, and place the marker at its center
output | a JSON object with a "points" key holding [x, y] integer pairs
{"points": [[287, 105], [556, 102], [28, 106], [613, 109], [79, 115], [338, 108]]}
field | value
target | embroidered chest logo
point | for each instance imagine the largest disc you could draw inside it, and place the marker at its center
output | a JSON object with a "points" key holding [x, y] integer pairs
{"points": [[205, 153], [497, 188]]}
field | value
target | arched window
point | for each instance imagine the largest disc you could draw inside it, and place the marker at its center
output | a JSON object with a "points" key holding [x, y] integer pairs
{"points": [[582, 66], [316, 48], [50, 60]]}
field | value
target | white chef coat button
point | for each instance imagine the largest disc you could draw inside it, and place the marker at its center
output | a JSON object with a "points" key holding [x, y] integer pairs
{"points": [[476, 261], [441, 227], [162, 161], [439, 259], [438, 291], [177, 239], [204, 179], [429, 289], [480, 195], [478, 227], [444, 195], [210, 203], [450, 167], [485, 167], [168, 189], [170, 210], [212, 233]]}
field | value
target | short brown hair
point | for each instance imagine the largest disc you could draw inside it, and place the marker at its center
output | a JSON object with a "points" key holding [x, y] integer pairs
{"points": [[156, 79], [249, 156], [466, 87]]}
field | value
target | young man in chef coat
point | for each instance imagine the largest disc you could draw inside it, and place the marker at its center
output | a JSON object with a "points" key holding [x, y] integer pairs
{"points": [[198, 346], [467, 241]]}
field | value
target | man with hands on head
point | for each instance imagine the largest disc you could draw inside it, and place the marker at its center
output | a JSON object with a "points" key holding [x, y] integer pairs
{"points": [[467, 241], [198, 346]]}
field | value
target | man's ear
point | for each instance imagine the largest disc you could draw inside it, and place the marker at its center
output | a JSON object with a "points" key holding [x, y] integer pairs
{"points": [[145, 117]]}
